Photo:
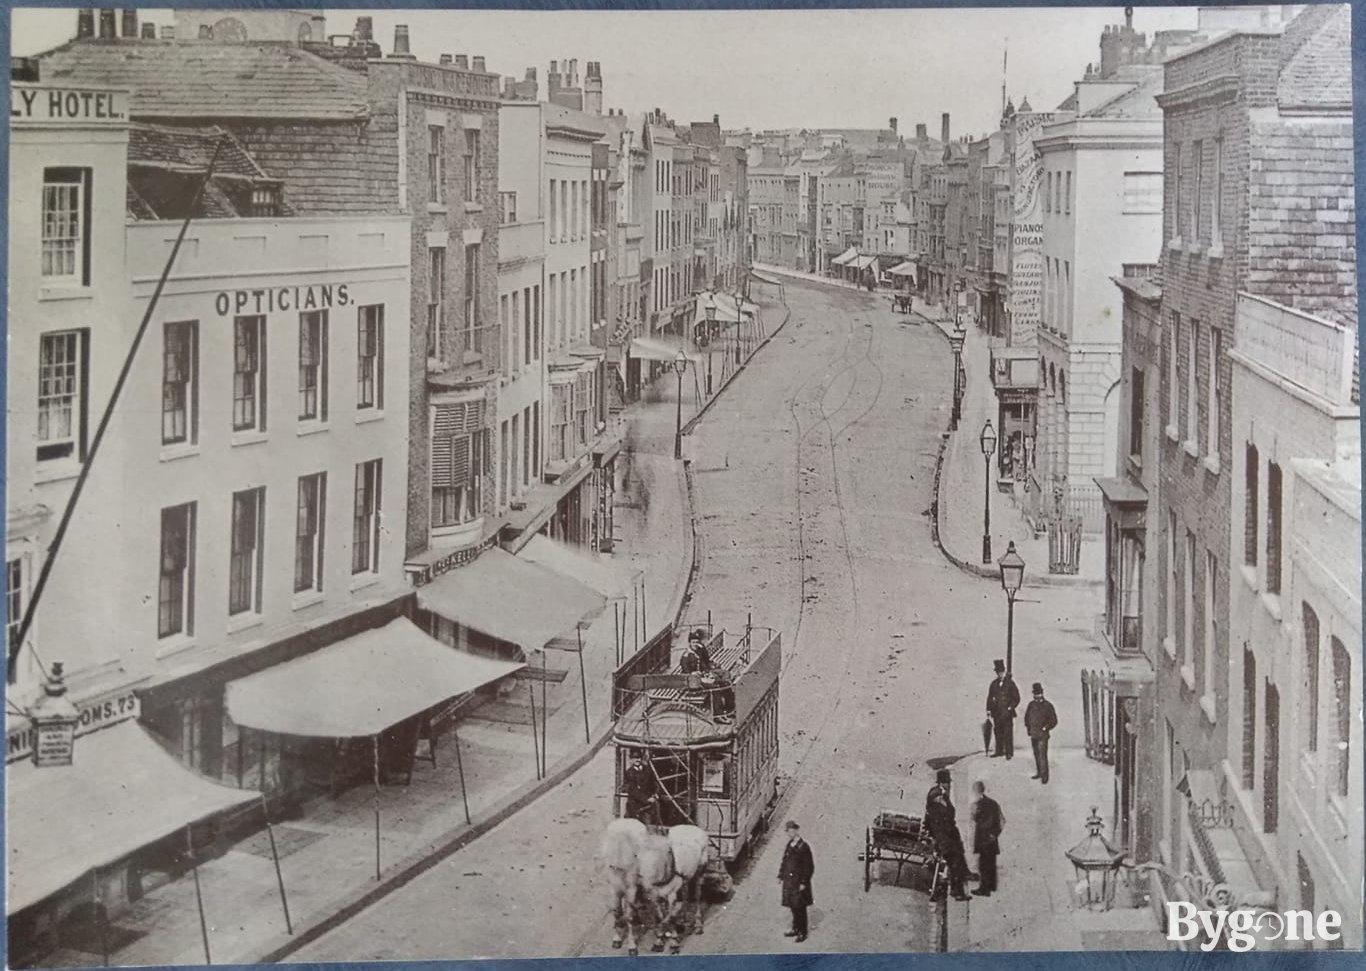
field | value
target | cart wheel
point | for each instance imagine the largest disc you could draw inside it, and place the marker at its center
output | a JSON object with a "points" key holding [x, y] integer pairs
{"points": [[867, 859]]}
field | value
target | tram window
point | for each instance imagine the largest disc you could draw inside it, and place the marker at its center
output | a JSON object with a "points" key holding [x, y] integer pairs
{"points": [[714, 776]]}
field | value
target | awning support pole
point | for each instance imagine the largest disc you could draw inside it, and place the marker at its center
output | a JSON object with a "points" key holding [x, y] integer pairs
{"points": [[616, 629], [198, 896], [644, 622], [374, 747], [583, 688], [635, 618], [545, 718], [275, 855], [103, 918], [535, 730], [460, 767]]}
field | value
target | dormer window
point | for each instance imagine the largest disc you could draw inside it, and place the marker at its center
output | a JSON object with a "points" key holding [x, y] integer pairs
{"points": [[265, 200]]}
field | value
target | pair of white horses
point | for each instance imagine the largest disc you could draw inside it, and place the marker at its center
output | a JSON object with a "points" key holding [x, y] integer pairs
{"points": [[654, 875]]}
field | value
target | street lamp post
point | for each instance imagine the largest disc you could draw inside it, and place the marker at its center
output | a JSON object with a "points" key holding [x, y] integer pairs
{"points": [[739, 324], [988, 440], [956, 344], [680, 365], [1012, 577]]}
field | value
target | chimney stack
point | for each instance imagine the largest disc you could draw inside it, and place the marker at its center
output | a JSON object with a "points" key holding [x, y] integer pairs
{"points": [[1129, 17], [478, 64], [445, 59], [462, 62], [921, 133], [149, 30], [365, 29], [401, 41], [108, 24], [944, 128], [509, 88], [592, 88], [85, 23], [891, 123], [573, 80], [130, 22], [318, 28]]}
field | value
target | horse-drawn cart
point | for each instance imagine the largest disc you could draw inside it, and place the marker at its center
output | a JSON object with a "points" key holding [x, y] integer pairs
{"points": [[899, 838], [901, 303]]}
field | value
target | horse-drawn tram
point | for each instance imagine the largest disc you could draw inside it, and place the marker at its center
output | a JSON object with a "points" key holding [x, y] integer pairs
{"points": [[706, 737]]}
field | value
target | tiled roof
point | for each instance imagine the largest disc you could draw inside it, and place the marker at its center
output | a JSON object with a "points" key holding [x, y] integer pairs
{"points": [[166, 164], [203, 80], [1137, 102], [189, 149], [1320, 72]]}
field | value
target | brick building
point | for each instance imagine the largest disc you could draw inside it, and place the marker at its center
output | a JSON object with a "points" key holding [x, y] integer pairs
{"points": [[1244, 115]]}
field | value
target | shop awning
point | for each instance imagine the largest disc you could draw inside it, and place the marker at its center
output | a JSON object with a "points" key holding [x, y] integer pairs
{"points": [[122, 792], [511, 599], [609, 577], [662, 349], [764, 279], [360, 686], [846, 257], [863, 262], [903, 269]]}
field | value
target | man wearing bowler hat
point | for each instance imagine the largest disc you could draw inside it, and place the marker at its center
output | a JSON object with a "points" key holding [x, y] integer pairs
{"points": [[795, 873], [1003, 697], [1040, 720]]}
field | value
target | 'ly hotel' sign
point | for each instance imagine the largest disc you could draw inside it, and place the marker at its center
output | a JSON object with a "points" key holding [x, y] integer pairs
{"points": [[68, 106]]}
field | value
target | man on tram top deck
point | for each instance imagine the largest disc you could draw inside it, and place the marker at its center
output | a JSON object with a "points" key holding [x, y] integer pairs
{"points": [[696, 658]]}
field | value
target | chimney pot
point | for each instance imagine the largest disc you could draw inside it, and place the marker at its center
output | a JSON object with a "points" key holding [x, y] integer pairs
{"points": [[944, 127], [462, 62], [479, 63], [716, 119], [554, 67], [401, 41], [108, 24], [149, 31], [445, 59], [130, 22], [85, 23], [365, 28], [531, 74]]}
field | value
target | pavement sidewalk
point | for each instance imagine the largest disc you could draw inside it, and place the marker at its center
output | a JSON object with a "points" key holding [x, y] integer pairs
{"points": [[962, 481], [327, 856]]}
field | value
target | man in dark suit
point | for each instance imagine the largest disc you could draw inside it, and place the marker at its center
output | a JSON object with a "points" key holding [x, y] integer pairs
{"points": [[940, 820], [987, 823], [642, 802], [795, 873], [1040, 720], [1003, 697]]}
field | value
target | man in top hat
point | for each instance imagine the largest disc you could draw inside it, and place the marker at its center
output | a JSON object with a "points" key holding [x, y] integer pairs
{"points": [[795, 874], [1040, 720], [1003, 697], [642, 802], [940, 820]]}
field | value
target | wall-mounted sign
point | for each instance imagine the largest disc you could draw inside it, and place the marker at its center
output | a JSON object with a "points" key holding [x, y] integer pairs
{"points": [[67, 105], [321, 296], [55, 744], [93, 715]]}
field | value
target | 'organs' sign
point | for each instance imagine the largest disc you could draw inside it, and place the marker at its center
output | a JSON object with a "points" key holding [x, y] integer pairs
{"points": [[1026, 244]]}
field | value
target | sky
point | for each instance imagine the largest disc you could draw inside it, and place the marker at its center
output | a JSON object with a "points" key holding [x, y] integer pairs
{"points": [[762, 68]]}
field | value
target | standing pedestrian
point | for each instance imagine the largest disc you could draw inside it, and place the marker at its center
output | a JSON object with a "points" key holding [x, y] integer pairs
{"points": [[1003, 697], [940, 820], [987, 823], [795, 873], [1040, 720]]}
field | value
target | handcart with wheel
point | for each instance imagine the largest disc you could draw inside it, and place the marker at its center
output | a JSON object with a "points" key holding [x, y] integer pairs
{"points": [[903, 839]]}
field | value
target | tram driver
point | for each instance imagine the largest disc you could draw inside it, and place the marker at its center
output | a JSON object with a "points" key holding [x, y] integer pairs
{"points": [[642, 801]]}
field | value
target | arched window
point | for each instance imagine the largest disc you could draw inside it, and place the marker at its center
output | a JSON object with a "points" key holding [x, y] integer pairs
{"points": [[1062, 386], [230, 30]]}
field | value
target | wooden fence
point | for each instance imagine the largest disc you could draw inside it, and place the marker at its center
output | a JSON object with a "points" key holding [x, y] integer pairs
{"points": [[1098, 714]]}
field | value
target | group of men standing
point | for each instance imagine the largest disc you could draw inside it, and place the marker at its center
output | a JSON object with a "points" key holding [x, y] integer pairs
{"points": [[1003, 698], [941, 820]]}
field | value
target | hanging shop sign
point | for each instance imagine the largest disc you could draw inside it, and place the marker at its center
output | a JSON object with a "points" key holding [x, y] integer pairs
{"points": [[94, 715]]}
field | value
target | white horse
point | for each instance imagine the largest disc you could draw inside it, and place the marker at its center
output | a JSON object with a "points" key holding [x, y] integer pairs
{"points": [[620, 849], [693, 852], [660, 881]]}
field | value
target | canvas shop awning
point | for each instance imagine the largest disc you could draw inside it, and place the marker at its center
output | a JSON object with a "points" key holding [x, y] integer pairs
{"points": [[610, 578], [512, 599], [122, 793], [863, 262], [846, 257], [660, 349], [360, 686], [903, 269], [764, 279]]}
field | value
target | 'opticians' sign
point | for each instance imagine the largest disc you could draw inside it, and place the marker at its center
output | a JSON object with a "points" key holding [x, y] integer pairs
{"points": [[273, 299], [68, 105]]}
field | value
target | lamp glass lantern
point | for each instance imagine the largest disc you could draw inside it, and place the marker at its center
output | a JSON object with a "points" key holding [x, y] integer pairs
{"points": [[1012, 570], [54, 718], [1097, 865], [680, 363], [988, 439]]}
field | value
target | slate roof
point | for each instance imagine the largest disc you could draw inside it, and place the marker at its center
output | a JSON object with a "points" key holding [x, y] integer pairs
{"points": [[172, 79], [167, 163], [1139, 101], [1319, 73]]}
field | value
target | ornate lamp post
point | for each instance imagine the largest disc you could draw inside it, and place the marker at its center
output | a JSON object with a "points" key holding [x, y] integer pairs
{"points": [[680, 365], [739, 324], [956, 344], [1012, 577], [988, 441], [1097, 865]]}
